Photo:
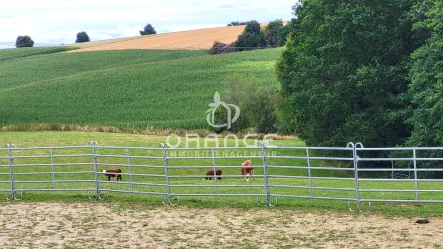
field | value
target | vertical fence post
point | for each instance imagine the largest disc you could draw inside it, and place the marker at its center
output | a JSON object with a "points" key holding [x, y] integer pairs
{"points": [[11, 169], [265, 174], [355, 162], [51, 153], [128, 154], [415, 174], [165, 161], [309, 172], [94, 156], [357, 184], [215, 174]]}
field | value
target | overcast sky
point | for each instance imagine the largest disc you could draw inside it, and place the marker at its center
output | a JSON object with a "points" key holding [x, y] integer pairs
{"points": [[58, 21]]}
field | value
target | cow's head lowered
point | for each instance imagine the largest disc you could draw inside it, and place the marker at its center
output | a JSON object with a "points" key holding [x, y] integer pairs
{"points": [[113, 173], [247, 169], [211, 174]]}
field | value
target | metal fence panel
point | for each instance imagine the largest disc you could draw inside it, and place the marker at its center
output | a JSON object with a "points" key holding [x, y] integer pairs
{"points": [[350, 173]]}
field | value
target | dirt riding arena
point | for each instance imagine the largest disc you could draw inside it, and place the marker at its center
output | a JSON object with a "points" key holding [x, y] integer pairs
{"points": [[104, 225]]}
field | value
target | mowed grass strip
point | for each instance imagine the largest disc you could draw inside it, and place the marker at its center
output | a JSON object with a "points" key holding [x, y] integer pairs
{"points": [[148, 175], [127, 89]]}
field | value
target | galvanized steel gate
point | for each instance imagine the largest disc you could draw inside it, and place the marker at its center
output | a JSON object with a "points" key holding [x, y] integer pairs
{"points": [[281, 172]]}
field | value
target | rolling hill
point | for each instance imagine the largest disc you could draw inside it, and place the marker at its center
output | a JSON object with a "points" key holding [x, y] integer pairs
{"points": [[129, 89], [192, 39]]}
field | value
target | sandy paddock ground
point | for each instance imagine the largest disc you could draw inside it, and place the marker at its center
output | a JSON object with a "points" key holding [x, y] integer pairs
{"points": [[104, 225]]}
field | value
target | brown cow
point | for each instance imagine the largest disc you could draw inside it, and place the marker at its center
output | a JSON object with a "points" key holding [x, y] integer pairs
{"points": [[247, 169], [211, 173], [115, 172]]}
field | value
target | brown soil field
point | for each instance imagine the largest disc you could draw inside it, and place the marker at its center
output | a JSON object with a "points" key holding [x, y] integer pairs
{"points": [[193, 39], [101, 42], [106, 225]]}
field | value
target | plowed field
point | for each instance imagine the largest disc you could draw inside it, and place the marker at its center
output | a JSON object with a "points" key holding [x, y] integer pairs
{"points": [[193, 39]]}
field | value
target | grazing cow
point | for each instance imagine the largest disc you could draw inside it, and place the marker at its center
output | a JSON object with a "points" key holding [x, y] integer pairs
{"points": [[113, 173], [211, 173], [247, 169]]}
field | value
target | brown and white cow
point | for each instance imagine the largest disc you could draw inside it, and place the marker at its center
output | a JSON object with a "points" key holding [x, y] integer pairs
{"points": [[113, 173], [247, 169], [210, 173]]}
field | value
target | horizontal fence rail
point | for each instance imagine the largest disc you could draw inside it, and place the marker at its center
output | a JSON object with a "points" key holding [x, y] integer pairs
{"points": [[353, 174]]}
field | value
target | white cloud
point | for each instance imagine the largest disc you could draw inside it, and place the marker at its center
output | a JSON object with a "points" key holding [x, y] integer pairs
{"points": [[58, 21]]}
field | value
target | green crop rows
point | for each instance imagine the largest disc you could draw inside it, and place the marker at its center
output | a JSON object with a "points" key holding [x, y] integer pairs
{"points": [[8, 54], [127, 89]]}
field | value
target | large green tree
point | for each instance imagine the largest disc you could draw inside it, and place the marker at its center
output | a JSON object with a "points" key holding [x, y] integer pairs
{"points": [[271, 32], [251, 38], [283, 34], [426, 89], [345, 71]]}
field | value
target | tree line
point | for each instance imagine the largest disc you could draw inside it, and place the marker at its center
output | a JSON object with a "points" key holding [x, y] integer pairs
{"points": [[254, 37], [366, 71], [26, 40]]}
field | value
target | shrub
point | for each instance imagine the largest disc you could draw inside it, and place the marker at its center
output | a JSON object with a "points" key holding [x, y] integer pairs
{"points": [[221, 48], [255, 100]]}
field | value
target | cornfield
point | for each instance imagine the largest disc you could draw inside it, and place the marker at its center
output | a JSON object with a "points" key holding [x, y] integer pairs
{"points": [[128, 89]]}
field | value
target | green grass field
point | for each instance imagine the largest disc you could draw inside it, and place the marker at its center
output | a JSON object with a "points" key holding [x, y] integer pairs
{"points": [[143, 89], [189, 172], [131, 89], [9, 54]]}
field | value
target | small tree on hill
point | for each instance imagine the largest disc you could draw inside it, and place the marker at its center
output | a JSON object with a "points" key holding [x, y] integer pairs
{"points": [[82, 37], [24, 41], [148, 30], [252, 37], [252, 27], [237, 23], [271, 32], [282, 34]]}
